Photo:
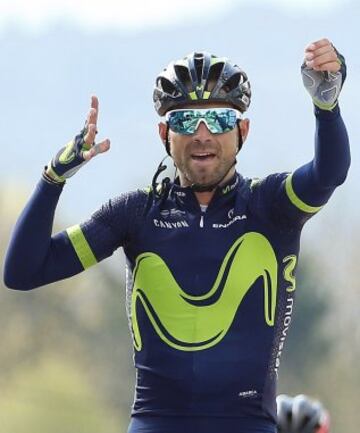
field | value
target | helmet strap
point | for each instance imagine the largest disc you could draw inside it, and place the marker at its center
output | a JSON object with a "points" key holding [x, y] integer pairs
{"points": [[240, 142], [167, 142], [164, 182]]}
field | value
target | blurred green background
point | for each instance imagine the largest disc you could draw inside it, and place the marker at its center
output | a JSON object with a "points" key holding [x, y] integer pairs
{"points": [[66, 353]]}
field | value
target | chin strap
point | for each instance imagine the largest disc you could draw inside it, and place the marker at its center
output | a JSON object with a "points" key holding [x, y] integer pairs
{"points": [[155, 185], [167, 142]]}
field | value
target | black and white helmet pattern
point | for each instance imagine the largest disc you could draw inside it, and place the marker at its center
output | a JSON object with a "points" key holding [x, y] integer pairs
{"points": [[301, 414], [200, 77]]}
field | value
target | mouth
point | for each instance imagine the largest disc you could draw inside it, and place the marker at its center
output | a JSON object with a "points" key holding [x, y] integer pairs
{"points": [[203, 156]]}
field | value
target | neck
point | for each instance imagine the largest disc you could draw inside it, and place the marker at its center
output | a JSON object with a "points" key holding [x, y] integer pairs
{"points": [[205, 197]]}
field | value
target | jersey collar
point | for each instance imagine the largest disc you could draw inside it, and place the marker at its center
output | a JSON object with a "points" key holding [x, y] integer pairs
{"points": [[224, 192]]}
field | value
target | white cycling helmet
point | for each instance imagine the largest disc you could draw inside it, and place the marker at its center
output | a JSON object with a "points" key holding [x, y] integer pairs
{"points": [[301, 414]]}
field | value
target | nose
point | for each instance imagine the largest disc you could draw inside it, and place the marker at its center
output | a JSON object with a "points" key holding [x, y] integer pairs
{"points": [[202, 132]]}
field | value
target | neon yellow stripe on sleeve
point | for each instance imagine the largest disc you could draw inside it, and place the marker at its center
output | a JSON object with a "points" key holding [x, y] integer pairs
{"points": [[295, 200], [81, 246]]}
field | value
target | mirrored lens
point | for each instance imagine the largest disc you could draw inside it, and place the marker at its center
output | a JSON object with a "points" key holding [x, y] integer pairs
{"points": [[217, 120]]}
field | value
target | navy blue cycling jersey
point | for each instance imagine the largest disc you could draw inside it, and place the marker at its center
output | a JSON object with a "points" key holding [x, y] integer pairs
{"points": [[182, 424], [210, 293]]}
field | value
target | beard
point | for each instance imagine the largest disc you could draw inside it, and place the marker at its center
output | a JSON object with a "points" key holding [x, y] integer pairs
{"points": [[208, 175]]}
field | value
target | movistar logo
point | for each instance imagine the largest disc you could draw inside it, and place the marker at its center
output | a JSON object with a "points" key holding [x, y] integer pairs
{"points": [[190, 323], [229, 188], [199, 88]]}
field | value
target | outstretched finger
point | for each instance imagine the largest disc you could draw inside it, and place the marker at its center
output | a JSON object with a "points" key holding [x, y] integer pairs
{"points": [[95, 106], [101, 147], [92, 116], [90, 135]]}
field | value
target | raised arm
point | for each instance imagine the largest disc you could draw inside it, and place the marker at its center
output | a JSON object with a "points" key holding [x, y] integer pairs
{"points": [[34, 256], [311, 185]]}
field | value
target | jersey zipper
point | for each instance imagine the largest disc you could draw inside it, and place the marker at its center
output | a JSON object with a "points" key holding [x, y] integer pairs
{"points": [[203, 210], [202, 220]]}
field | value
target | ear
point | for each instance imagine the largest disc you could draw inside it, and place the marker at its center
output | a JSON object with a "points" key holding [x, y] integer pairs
{"points": [[244, 128], [162, 132]]}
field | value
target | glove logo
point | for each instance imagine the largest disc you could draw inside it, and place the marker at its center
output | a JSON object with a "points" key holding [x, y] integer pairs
{"points": [[68, 154]]}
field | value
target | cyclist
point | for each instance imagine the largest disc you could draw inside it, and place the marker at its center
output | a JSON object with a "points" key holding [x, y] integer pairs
{"points": [[301, 414], [211, 256]]}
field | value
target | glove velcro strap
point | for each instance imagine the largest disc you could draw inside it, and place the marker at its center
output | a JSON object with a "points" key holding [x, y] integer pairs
{"points": [[51, 174], [51, 177]]}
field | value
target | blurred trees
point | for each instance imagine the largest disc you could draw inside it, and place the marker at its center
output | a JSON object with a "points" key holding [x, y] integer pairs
{"points": [[66, 350], [319, 359]]}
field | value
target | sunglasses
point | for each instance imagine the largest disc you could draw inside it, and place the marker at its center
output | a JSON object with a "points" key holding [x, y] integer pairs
{"points": [[217, 120]]}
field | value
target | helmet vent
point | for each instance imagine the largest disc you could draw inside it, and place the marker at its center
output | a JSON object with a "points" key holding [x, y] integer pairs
{"points": [[213, 76], [183, 76], [232, 83], [199, 63], [304, 422], [289, 417], [167, 87]]}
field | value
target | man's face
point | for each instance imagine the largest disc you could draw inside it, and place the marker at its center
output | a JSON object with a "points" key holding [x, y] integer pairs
{"points": [[204, 158]]}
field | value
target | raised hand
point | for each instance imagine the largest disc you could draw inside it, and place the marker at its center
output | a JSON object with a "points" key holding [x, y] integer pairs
{"points": [[323, 73], [78, 151]]}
